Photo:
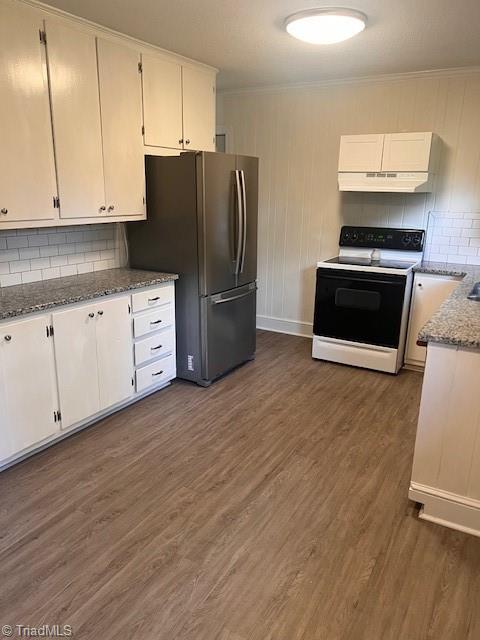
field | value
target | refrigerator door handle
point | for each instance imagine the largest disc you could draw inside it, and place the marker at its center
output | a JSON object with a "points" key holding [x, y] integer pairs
{"points": [[238, 189], [241, 295], [244, 211]]}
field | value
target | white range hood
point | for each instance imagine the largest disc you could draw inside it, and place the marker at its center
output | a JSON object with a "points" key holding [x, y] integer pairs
{"points": [[388, 162], [391, 182]]}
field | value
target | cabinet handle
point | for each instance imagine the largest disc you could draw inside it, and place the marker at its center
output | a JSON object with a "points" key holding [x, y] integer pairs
{"points": [[159, 346], [100, 313], [155, 321], [180, 141], [103, 207], [111, 207], [158, 373], [8, 338], [420, 285], [154, 299], [4, 211], [91, 315], [187, 141]]}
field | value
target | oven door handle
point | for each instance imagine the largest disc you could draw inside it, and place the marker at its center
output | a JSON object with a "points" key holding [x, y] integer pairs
{"points": [[370, 281]]}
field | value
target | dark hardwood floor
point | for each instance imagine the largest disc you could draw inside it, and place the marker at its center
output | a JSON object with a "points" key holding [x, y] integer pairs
{"points": [[271, 506]]}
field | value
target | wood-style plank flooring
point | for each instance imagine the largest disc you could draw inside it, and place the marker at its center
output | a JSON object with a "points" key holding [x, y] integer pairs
{"points": [[271, 506]]}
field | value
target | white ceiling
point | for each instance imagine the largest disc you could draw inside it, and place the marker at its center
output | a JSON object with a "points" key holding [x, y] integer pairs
{"points": [[246, 41]]}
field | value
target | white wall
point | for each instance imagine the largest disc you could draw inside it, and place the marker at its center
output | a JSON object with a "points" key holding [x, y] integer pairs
{"points": [[295, 131]]}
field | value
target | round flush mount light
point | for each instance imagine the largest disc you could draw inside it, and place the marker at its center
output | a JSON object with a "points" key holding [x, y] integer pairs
{"points": [[325, 26]]}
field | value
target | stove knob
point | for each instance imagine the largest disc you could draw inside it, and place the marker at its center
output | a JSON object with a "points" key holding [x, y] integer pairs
{"points": [[354, 237], [417, 240], [346, 235], [406, 239]]}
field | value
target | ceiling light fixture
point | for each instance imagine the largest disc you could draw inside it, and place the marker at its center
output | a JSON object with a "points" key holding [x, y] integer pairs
{"points": [[325, 26]]}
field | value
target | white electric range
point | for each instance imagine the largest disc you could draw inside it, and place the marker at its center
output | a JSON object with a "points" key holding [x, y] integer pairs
{"points": [[362, 297]]}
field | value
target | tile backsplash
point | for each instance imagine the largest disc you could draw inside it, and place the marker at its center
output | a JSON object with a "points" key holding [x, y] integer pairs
{"points": [[453, 237], [30, 255]]}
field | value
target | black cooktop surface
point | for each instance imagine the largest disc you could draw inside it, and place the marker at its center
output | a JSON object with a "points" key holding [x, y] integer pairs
{"points": [[368, 262]]}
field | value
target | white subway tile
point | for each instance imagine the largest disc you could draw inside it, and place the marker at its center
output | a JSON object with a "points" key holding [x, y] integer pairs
{"points": [[476, 224], [86, 267], [74, 236], [57, 238], [4, 268], [475, 242], [52, 272], [3, 243], [103, 264], [66, 249], [70, 270], [58, 261], [10, 279], [31, 276], [473, 260], [51, 250], [98, 245], [19, 265], [37, 241], [107, 254], [26, 254], [76, 258], [456, 259], [40, 263], [469, 251], [438, 257], [15, 242], [471, 233], [8, 255]]}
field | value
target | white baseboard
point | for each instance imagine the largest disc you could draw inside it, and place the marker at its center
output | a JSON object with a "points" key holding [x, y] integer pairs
{"points": [[282, 325]]}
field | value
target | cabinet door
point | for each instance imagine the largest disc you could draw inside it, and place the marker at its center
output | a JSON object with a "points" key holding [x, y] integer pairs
{"points": [[28, 395], [72, 63], [76, 358], [198, 109], [27, 170], [406, 152], [114, 351], [121, 108], [162, 102], [429, 291], [361, 153]]}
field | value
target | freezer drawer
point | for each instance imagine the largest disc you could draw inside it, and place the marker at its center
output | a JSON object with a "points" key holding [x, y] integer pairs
{"points": [[228, 330]]}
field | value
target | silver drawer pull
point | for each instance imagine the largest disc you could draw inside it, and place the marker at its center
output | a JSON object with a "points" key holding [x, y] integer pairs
{"points": [[156, 348], [158, 373], [154, 299], [155, 321]]}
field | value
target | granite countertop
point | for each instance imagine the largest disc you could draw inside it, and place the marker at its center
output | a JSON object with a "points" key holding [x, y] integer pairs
{"points": [[457, 322], [23, 299]]}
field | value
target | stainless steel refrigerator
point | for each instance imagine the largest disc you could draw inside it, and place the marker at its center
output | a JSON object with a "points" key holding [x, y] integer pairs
{"points": [[202, 211]]}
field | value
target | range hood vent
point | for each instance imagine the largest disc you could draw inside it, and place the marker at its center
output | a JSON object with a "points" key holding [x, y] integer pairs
{"points": [[389, 182]]}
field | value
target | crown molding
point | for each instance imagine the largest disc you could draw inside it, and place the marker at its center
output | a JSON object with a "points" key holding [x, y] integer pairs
{"points": [[379, 79], [136, 42]]}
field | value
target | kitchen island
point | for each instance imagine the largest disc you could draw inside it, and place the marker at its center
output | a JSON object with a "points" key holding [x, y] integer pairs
{"points": [[446, 466]]}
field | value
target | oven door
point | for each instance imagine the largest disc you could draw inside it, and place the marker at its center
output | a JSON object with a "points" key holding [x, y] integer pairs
{"points": [[359, 306]]}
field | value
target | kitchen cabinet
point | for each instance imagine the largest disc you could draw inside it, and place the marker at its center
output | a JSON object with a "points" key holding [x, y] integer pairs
{"points": [[361, 153], [72, 63], [407, 152], [94, 357], [429, 291], [27, 169], [121, 118], [198, 109], [162, 102], [28, 395], [178, 105]]}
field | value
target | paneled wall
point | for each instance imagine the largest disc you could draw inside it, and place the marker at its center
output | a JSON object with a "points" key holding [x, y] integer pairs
{"points": [[30, 255], [295, 132]]}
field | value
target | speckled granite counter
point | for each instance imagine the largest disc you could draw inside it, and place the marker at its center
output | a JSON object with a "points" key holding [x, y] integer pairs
{"points": [[23, 299], [457, 322]]}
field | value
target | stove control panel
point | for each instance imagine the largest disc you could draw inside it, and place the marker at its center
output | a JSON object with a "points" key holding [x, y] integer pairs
{"points": [[382, 238]]}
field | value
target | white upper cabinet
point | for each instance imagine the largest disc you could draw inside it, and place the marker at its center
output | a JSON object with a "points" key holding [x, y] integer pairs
{"points": [[27, 170], [28, 396], [72, 62], [162, 102], [178, 105], [198, 109], [407, 152], [121, 116], [361, 153]]}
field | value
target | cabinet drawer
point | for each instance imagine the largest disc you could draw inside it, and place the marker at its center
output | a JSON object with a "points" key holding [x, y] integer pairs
{"points": [[155, 346], [153, 320], [155, 373], [153, 297]]}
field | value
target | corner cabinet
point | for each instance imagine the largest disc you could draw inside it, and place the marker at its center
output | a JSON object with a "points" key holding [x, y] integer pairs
{"points": [[94, 358], [178, 105]]}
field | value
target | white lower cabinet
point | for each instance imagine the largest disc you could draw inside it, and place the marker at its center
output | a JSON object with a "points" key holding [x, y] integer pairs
{"points": [[94, 354], [429, 291], [28, 394], [66, 369]]}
